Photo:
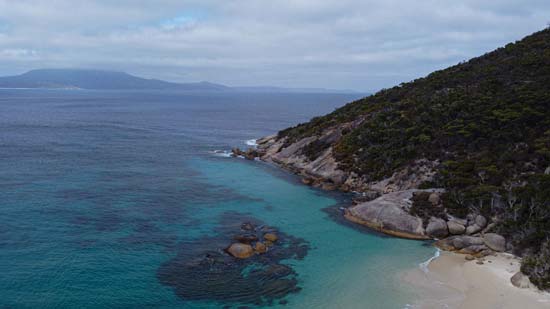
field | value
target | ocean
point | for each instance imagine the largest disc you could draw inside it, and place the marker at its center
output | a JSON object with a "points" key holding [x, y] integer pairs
{"points": [[128, 199]]}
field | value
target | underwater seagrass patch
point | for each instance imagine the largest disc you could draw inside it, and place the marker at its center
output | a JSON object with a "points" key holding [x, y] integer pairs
{"points": [[203, 271]]}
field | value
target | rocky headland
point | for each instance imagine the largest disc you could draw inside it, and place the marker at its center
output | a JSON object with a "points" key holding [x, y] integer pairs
{"points": [[461, 156], [394, 206]]}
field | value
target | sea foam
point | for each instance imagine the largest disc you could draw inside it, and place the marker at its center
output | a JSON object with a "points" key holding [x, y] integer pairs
{"points": [[251, 142], [221, 153], [424, 265]]}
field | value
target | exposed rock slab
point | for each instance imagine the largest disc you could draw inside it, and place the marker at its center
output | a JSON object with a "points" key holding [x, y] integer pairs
{"points": [[389, 214]]}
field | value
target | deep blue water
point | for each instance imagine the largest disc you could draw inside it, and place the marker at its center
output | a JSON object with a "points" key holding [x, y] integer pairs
{"points": [[107, 198]]}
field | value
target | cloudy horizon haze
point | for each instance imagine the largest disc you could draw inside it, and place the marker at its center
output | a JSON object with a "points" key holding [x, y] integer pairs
{"points": [[360, 45]]}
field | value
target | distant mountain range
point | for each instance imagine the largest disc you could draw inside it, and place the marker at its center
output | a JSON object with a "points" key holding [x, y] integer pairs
{"points": [[111, 80]]}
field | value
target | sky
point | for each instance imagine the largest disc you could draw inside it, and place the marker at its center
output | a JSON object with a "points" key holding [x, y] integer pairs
{"points": [[363, 45]]}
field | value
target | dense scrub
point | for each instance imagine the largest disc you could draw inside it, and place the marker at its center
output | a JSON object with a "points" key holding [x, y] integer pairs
{"points": [[487, 120], [423, 208]]}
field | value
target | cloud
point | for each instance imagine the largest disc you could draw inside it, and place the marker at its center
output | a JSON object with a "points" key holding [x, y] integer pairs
{"points": [[364, 45], [18, 54]]}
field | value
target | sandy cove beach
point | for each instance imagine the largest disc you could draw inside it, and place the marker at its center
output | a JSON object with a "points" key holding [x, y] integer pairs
{"points": [[450, 281]]}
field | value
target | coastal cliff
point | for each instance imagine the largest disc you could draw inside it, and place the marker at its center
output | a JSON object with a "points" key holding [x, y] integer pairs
{"points": [[461, 155]]}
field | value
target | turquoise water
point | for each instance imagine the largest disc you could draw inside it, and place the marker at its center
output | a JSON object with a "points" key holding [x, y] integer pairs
{"points": [[99, 190]]}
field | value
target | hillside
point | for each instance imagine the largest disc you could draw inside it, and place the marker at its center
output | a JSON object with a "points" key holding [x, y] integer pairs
{"points": [[479, 131], [95, 79]]}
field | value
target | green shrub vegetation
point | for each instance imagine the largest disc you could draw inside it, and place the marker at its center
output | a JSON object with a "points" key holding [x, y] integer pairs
{"points": [[486, 120]]}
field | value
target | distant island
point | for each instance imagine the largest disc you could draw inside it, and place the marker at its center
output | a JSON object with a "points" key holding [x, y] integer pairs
{"points": [[112, 80]]}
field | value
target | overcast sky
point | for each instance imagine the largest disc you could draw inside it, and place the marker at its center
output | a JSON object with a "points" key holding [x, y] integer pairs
{"points": [[363, 45]]}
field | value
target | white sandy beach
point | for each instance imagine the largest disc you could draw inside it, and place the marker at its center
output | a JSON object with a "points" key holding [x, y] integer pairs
{"points": [[452, 282]]}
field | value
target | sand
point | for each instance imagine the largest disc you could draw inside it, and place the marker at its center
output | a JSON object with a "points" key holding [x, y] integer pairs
{"points": [[449, 281]]}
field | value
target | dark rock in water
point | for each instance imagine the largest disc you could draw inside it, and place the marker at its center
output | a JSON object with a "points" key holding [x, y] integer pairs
{"points": [[267, 229], [235, 152], [278, 270], [201, 271], [260, 247], [328, 186], [246, 238], [249, 154], [247, 226]]}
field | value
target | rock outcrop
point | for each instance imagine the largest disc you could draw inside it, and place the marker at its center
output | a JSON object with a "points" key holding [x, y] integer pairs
{"points": [[417, 135], [473, 245], [389, 214], [240, 250], [272, 237], [521, 281], [495, 241], [324, 171], [260, 248], [437, 228], [455, 227]]}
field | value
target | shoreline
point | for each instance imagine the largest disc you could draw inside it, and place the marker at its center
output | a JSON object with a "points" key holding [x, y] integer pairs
{"points": [[450, 281]]}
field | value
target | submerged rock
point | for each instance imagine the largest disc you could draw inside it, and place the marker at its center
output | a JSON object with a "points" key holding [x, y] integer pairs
{"points": [[240, 250], [201, 271], [260, 247], [247, 226], [272, 237], [246, 239], [328, 186]]}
